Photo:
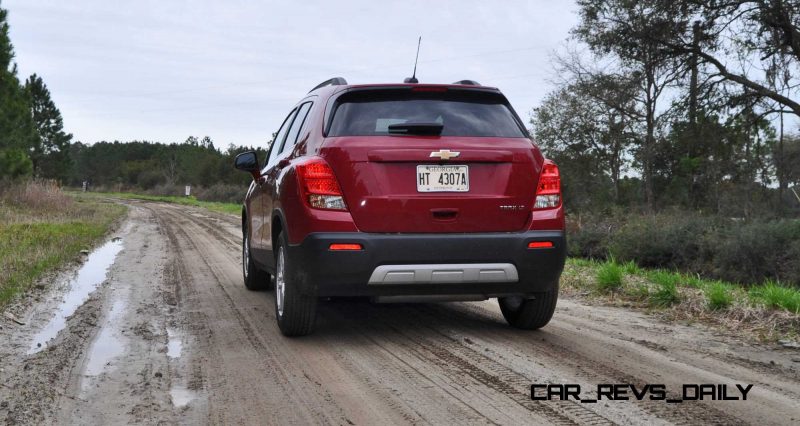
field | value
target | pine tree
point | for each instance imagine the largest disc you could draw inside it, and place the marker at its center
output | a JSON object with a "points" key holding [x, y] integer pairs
{"points": [[17, 133], [50, 154]]}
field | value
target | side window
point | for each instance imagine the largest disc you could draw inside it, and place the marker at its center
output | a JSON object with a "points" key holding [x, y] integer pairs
{"points": [[294, 132], [277, 144]]}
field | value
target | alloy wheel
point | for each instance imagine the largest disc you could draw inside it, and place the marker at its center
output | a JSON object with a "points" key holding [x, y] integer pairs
{"points": [[280, 281]]}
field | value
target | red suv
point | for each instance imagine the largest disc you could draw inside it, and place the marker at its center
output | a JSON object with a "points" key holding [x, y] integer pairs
{"points": [[403, 193]]}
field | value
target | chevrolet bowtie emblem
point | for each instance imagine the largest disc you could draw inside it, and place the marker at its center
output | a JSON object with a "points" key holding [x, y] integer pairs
{"points": [[445, 154]]}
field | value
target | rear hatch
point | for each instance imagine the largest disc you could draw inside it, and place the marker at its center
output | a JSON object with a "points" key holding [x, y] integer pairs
{"points": [[432, 159]]}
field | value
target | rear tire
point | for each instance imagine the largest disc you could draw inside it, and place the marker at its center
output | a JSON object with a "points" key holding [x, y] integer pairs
{"points": [[295, 311], [255, 279], [529, 314]]}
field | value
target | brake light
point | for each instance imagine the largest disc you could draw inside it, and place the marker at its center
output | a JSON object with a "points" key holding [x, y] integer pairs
{"points": [[540, 244], [548, 193], [319, 185]]}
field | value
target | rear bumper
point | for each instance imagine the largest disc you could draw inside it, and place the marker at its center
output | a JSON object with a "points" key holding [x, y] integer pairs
{"points": [[488, 265]]}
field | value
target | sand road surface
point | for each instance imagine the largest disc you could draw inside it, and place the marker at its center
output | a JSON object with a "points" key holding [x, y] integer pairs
{"points": [[170, 335]]}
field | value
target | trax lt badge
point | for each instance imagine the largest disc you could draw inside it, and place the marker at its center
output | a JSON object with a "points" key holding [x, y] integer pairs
{"points": [[445, 154], [511, 208]]}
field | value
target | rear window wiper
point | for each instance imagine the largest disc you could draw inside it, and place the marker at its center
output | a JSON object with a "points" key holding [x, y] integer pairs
{"points": [[416, 128]]}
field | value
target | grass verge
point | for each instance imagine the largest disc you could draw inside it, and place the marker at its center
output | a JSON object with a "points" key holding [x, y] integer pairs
{"points": [[609, 276], [770, 310], [41, 233], [719, 295], [778, 296], [228, 208]]}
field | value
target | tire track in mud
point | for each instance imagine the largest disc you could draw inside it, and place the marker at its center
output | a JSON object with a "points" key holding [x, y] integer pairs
{"points": [[184, 247], [404, 413], [574, 367], [465, 367], [454, 363], [459, 362], [277, 375], [277, 353]]}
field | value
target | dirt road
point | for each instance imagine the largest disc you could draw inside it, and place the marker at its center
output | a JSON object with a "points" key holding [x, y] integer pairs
{"points": [[172, 336]]}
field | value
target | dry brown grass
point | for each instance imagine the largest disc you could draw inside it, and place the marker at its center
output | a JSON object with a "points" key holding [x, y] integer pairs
{"points": [[41, 201], [38, 194], [741, 318]]}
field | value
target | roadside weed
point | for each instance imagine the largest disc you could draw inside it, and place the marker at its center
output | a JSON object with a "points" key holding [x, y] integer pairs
{"points": [[775, 295], [719, 295], [664, 278], [639, 291], [631, 268], [666, 293], [694, 281], [609, 276]]}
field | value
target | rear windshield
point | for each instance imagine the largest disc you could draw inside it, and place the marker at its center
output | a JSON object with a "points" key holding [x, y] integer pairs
{"points": [[461, 113]]}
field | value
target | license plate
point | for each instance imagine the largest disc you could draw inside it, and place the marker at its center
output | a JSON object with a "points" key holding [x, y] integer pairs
{"points": [[436, 178]]}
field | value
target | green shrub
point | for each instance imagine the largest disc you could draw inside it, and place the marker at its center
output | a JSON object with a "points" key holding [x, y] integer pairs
{"points": [[578, 261], [631, 268], [664, 278], [588, 240], [776, 295], [670, 240], [609, 276], [666, 293], [757, 251], [719, 295], [221, 192], [711, 247], [694, 281]]}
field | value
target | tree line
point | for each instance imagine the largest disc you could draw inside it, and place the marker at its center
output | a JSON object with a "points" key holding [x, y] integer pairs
{"points": [[148, 165], [678, 103], [32, 137]]}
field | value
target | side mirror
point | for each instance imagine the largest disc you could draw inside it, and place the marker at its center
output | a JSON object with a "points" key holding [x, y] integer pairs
{"points": [[248, 162]]}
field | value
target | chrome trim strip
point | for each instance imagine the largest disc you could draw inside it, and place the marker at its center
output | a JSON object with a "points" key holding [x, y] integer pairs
{"points": [[458, 273]]}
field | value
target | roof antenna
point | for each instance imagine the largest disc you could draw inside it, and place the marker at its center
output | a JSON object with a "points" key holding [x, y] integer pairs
{"points": [[413, 78]]}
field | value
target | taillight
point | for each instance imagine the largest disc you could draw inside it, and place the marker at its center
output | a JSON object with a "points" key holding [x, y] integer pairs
{"points": [[548, 193], [319, 185]]}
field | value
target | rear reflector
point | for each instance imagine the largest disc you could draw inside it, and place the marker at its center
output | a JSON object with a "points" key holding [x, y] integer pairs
{"points": [[540, 244], [345, 246]]}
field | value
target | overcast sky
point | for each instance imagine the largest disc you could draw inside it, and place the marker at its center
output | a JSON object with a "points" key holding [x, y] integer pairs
{"points": [[164, 70]]}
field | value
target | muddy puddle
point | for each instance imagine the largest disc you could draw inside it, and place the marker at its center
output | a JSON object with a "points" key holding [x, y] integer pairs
{"points": [[174, 343], [86, 280], [181, 396], [110, 342]]}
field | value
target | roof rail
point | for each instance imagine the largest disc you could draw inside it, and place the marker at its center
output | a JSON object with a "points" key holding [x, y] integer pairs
{"points": [[468, 82], [335, 81]]}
